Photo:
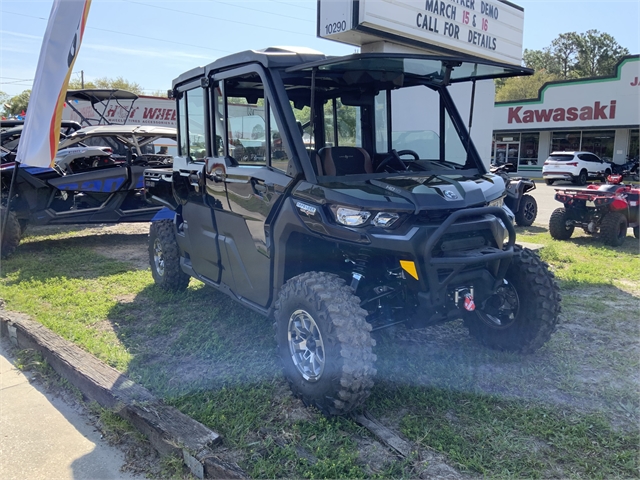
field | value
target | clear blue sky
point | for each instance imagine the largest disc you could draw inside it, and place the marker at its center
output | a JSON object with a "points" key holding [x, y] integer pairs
{"points": [[153, 41]]}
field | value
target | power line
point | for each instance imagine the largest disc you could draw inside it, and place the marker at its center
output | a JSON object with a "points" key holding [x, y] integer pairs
{"points": [[293, 5], [262, 11], [132, 34], [200, 15], [17, 82]]}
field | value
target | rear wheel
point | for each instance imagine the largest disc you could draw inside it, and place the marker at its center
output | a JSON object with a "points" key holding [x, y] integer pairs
{"points": [[613, 229], [523, 313], [636, 231], [558, 227], [324, 342], [527, 212], [164, 257], [548, 181], [12, 233], [581, 179]]}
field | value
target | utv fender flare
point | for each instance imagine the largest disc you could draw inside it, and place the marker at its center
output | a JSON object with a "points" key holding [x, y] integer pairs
{"points": [[164, 213]]}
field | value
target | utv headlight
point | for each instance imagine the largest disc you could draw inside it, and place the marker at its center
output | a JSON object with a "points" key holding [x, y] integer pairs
{"points": [[498, 202], [385, 219], [350, 217]]}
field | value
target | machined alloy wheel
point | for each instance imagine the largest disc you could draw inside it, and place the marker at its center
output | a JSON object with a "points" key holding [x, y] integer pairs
{"points": [[306, 345], [158, 257], [324, 342]]}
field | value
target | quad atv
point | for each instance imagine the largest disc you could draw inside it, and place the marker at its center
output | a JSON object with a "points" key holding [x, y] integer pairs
{"points": [[607, 209], [348, 225], [97, 177], [523, 205]]}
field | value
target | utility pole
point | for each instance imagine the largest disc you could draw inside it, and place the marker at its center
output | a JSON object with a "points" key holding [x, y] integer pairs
{"points": [[82, 79]]}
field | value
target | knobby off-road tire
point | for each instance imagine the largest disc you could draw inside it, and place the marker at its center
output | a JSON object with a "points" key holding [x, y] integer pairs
{"points": [[558, 227], [324, 342], [613, 229], [11, 234], [534, 296], [528, 211], [164, 257]]}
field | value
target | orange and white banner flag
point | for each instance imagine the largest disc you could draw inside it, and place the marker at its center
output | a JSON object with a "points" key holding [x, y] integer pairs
{"points": [[60, 45]]}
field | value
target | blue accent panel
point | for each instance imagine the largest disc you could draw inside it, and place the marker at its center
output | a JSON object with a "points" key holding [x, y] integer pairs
{"points": [[37, 170], [140, 182], [164, 214]]}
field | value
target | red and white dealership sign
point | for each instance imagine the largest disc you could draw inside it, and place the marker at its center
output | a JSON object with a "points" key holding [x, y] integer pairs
{"points": [[596, 102], [144, 110]]}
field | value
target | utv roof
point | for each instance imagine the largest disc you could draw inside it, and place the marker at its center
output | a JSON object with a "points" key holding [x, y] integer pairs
{"points": [[120, 131], [98, 95], [434, 68], [271, 57], [403, 68]]}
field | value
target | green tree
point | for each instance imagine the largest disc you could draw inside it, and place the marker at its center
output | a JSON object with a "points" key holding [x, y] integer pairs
{"points": [[597, 53], [521, 88], [17, 103], [564, 51], [108, 83], [540, 60]]}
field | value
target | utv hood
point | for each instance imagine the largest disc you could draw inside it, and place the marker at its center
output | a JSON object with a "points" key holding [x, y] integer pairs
{"points": [[418, 193]]}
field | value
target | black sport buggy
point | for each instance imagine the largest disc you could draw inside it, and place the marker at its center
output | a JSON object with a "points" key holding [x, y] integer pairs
{"points": [[97, 177], [357, 222]]}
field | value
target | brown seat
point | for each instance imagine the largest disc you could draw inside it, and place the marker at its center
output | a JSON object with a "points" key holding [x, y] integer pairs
{"points": [[338, 161]]}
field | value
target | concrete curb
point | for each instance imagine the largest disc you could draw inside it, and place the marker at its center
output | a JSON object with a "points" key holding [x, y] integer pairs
{"points": [[168, 430]]}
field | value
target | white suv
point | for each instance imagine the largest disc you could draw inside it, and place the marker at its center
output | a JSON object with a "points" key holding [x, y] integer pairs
{"points": [[577, 167]]}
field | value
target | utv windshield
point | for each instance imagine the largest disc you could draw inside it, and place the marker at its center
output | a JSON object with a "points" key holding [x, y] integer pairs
{"points": [[355, 120]]}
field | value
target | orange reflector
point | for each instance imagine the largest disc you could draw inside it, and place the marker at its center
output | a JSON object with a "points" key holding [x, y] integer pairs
{"points": [[409, 267]]}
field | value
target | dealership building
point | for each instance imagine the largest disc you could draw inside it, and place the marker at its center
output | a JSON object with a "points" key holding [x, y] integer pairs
{"points": [[599, 115]]}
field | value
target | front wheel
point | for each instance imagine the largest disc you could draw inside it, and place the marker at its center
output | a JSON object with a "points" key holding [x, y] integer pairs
{"points": [[164, 257], [324, 342], [613, 229], [10, 237], [523, 313], [558, 227], [527, 212]]}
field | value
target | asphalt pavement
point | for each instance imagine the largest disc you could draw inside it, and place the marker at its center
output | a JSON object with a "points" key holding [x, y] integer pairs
{"points": [[545, 198], [43, 437]]}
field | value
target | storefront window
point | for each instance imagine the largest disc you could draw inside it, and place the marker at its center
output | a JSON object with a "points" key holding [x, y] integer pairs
{"points": [[599, 142], [634, 143], [565, 141], [506, 149], [529, 148]]}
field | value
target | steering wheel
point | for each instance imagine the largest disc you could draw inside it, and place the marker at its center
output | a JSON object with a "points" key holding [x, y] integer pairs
{"points": [[395, 156], [415, 156]]}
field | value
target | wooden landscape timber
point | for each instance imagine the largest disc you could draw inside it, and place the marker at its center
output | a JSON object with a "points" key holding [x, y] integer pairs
{"points": [[167, 429]]}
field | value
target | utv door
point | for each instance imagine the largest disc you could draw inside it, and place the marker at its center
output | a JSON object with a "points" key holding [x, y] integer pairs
{"points": [[197, 234], [253, 159]]}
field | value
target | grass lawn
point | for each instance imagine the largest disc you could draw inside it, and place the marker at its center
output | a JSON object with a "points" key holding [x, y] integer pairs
{"points": [[570, 410]]}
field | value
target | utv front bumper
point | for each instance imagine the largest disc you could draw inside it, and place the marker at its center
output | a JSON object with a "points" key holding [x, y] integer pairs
{"points": [[447, 269]]}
